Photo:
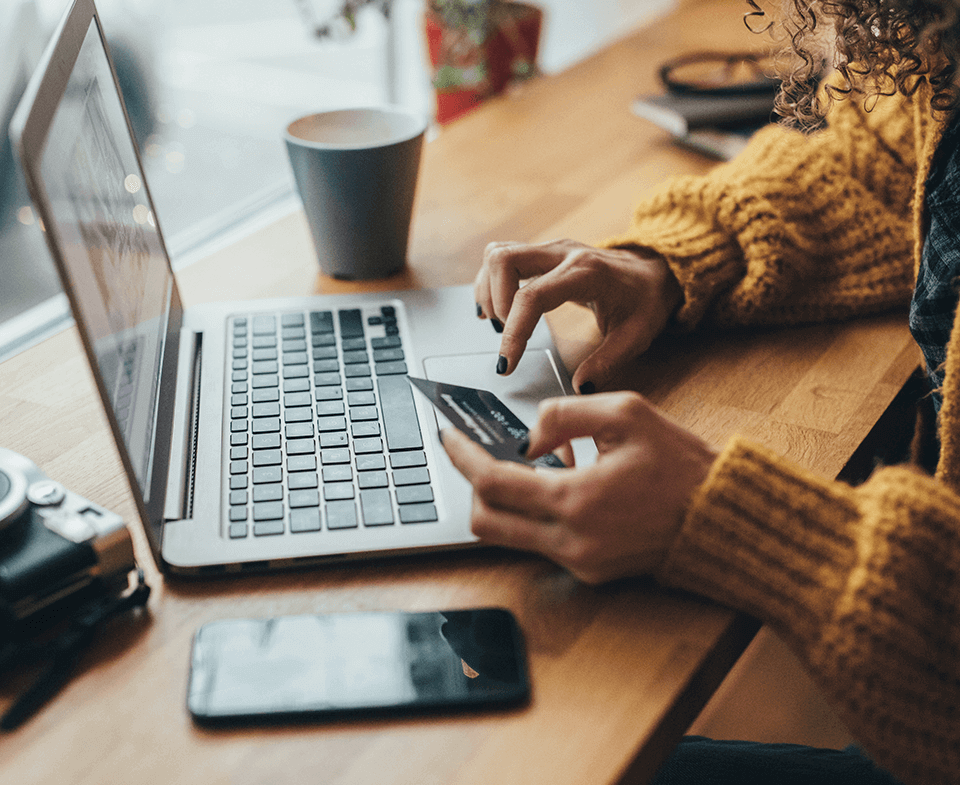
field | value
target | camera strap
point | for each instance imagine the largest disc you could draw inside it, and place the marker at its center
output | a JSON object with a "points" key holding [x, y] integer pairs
{"points": [[63, 652]]}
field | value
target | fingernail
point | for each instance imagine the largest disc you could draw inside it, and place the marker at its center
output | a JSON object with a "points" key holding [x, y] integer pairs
{"points": [[523, 447], [588, 388], [497, 325], [501, 365], [479, 311]]}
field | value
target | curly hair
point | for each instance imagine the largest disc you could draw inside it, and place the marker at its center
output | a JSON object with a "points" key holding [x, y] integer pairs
{"points": [[878, 47]]}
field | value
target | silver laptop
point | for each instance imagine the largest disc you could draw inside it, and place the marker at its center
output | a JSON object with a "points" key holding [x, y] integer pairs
{"points": [[262, 434]]}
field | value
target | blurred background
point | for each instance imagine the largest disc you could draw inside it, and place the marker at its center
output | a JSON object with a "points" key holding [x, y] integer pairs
{"points": [[209, 86]]}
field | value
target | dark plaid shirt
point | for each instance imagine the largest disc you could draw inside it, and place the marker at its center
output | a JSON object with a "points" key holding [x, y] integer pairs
{"points": [[935, 296]]}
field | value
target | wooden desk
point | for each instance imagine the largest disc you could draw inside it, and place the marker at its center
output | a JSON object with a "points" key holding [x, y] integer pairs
{"points": [[618, 672]]}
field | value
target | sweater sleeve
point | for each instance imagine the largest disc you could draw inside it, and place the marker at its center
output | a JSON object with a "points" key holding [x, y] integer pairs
{"points": [[863, 583], [798, 228]]}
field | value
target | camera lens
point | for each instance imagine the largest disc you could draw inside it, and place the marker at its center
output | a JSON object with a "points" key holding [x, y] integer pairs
{"points": [[13, 497], [5, 486]]}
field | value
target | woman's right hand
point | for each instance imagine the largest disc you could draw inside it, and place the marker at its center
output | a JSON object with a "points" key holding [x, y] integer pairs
{"points": [[632, 295]]}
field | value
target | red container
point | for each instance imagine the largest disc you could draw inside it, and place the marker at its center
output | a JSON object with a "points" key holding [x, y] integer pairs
{"points": [[469, 66]]}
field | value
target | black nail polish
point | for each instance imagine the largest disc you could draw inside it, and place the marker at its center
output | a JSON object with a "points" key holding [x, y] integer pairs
{"points": [[588, 388], [479, 311], [497, 325], [501, 365], [523, 447]]}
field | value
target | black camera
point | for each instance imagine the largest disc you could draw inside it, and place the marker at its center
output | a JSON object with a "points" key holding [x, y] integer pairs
{"points": [[57, 549]]}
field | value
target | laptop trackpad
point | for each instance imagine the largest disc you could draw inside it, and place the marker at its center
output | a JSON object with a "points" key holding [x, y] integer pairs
{"points": [[536, 378]]}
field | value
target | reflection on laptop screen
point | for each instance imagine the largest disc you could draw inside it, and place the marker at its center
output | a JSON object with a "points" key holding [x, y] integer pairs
{"points": [[111, 248]]}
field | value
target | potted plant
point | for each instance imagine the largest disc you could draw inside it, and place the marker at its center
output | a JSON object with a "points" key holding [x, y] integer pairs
{"points": [[477, 47]]}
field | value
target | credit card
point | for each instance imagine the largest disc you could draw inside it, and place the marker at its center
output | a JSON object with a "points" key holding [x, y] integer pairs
{"points": [[484, 418]]}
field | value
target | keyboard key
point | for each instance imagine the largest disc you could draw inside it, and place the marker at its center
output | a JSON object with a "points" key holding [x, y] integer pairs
{"points": [[266, 425], [331, 379], [358, 384], [265, 354], [268, 493], [327, 339], [321, 322], [329, 393], [325, 424], [333, 491], [366, 398], [265, 366], [340, 472], [418, 513], [238, 513], [268, 511], [292, 333], [362, 413], [299, 430], [388, 355], [304, 498], [266, 394], [298, 414], [399, 414], [386, 342], [299, 481], [341, 455], [325, 353], [267, 528], [294, 358], [238, 497], [329, 408], [263, 341], [267, 458], [351, 323], [356, 356], [266, 380], [367, 463], [296, 371], [296, 385], [341, 515], [390, 369], [403, 460], [353, 344], [364, 429], [374, 444], [355, 371], [239, 482], [373, 480], [264, 324], [270, 409], [325, 366], [296, 345], [266, 441], [238, 467], [414, 494], [238, 531], [266, 474], [418, 476], [375, 508], [300, 447], [302, 463], [291, 320], [297, 399], [305, 520], [238, 438], [333, 439]]}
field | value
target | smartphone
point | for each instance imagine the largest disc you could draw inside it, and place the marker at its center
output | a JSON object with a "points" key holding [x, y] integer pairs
{"points": [[329, 666]]}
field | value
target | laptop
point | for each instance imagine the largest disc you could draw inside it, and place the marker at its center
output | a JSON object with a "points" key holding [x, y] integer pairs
{"points": [[255, 435]]}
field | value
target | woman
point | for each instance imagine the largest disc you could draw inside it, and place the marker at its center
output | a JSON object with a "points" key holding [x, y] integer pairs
{"points": [[859, 216]]}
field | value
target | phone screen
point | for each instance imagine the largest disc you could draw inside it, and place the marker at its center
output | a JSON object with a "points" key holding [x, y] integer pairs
{"points": [[356, 663]]}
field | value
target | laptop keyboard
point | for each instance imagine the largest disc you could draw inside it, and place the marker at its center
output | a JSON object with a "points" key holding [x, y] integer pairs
{"points": [[324, 433]]}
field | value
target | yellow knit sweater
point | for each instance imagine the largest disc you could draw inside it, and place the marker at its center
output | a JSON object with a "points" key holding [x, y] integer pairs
{"points": [[862, 582]]}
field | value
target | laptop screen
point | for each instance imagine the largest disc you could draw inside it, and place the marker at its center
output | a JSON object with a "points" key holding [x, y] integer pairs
{"points": [[110, 246]]}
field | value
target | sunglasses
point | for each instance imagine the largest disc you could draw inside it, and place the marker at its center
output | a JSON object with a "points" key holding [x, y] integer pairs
{"points": [[718, 73]]}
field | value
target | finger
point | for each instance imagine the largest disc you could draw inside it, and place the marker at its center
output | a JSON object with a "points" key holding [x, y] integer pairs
{"points": [[607, 417], [621, 345], [511, 530], [509, 263], [568, 281], [501, 484]]}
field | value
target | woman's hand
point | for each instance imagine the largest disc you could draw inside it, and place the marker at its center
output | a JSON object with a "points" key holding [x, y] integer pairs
{"points": [[631, 294], [614, 519]]}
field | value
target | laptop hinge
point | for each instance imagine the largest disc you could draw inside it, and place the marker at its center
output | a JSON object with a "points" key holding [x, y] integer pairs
{"points": [[183, 452]]}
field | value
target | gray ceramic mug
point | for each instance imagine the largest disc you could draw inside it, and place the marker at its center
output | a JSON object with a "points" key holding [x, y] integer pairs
{"points": [[356, 171]]}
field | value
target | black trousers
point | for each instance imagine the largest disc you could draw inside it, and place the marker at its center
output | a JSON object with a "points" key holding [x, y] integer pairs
{"points": [[701, 761]]}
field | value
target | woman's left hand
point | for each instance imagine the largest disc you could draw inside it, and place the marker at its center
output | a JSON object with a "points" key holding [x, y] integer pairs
{"points": [[614, 519]]}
